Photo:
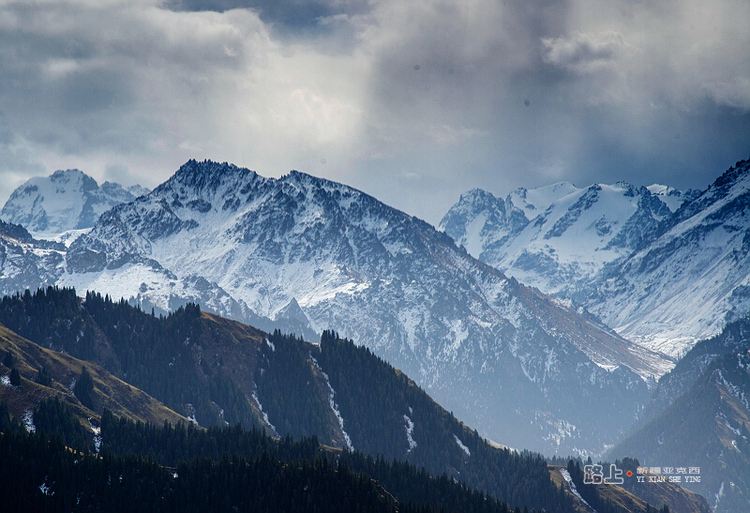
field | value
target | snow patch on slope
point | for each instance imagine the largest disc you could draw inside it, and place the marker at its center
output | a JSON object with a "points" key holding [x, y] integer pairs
{"points": [[461, 445], [409, 432], [566, 475], [264, 414], [333, 405], [28, 421]]}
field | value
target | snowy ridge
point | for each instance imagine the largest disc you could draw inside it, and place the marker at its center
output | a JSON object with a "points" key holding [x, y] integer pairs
{"points": [[334, 406]]}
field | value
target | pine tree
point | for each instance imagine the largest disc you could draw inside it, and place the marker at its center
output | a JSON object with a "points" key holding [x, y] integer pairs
{"points": [[15, 377], [84, 388], [44, 377]]}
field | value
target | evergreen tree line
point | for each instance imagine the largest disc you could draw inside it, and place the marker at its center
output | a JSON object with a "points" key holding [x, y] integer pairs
{"points": [[39, 472], [52, 318], [171, 445], [149, 352]]}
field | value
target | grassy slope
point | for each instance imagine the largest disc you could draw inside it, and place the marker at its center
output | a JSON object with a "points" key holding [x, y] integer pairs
{"points": [[109, 392]]}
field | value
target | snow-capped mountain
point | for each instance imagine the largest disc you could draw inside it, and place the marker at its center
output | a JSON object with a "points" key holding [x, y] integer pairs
{"points": [[66, 200], [559, 238], [524, 368], [689, 280], [662, 268]]}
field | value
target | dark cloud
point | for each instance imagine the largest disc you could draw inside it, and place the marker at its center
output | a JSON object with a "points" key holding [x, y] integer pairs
{"points": [[609, 103], [414, 102]]}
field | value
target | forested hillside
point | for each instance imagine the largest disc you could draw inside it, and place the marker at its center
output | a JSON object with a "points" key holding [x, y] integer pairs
{"points": [[219, 372], [39, 473]]}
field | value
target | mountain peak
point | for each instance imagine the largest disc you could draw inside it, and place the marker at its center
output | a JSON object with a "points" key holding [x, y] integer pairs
{"points": [[66, 200], [203, 174], [208, 184], [303, 179], [733, 174], [68, 176], [477, 193]]}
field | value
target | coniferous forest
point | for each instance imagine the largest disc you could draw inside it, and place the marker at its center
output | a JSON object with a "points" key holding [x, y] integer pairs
{"points": [[176, 468]]}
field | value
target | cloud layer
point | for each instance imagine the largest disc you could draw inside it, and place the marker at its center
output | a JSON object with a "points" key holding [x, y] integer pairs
{"points": [[413, 102]]}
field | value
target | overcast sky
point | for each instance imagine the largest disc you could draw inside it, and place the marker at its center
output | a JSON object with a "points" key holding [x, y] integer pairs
{"points": [[412, 101]]}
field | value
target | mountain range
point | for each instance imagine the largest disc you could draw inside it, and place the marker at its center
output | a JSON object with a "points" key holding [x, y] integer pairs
{"points": [[317, 255], [305, 255], [663, 268]]}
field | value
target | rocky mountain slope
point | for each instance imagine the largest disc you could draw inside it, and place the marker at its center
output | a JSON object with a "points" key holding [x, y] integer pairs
{"points": [[25, 262], [707, 426], [662, 268], [690, 279], [733, 339], [66, 200]]}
